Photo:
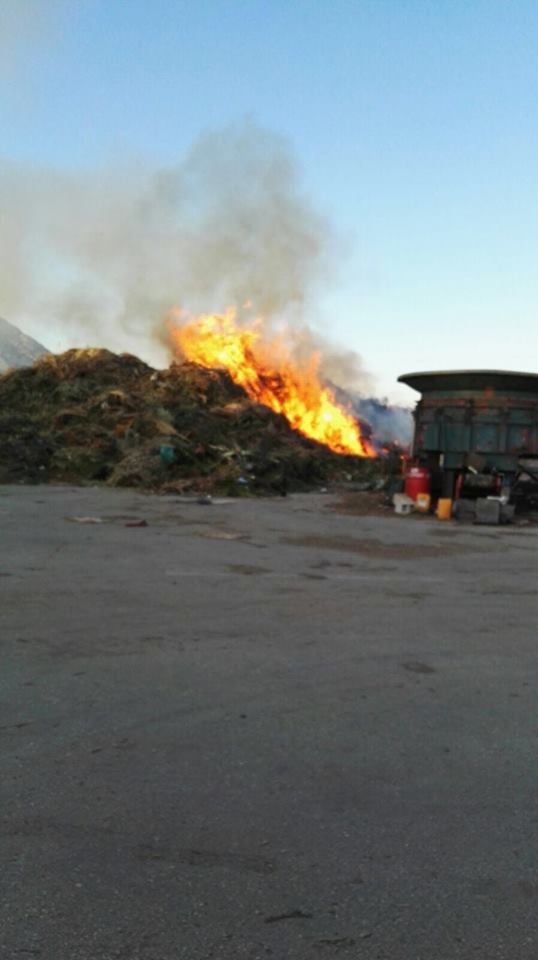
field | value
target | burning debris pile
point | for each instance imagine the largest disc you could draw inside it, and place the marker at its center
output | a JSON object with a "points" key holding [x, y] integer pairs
{"points": [[249, 404], [92, 415], [267, 371]]}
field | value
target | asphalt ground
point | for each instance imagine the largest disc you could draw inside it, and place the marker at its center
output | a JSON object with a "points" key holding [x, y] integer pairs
{"points": [[262, 729]]}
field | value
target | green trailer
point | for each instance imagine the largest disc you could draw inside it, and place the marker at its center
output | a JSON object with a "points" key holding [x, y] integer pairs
{"points": [[479, 422]]}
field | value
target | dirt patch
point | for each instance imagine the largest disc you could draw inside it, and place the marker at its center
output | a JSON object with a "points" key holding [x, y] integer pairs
{"points": [[414, 596], [292, 915], [246, 569], [228, 860], [416, 666], [376, 548], [370, 503], [216, 534], [363, 503]]}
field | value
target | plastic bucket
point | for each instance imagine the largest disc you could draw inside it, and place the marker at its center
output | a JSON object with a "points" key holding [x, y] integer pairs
{"points": [[423, 502], [444, 508], [403, 505]]}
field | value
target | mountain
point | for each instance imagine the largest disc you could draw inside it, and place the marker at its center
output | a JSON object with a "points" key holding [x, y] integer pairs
{"points": [[16, 349]]}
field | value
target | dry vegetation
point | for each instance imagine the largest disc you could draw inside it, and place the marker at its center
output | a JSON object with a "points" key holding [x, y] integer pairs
{"points": [[94, 416]]}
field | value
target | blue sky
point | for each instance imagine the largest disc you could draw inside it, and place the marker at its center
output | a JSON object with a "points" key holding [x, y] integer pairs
{"points": [[414, 125]]}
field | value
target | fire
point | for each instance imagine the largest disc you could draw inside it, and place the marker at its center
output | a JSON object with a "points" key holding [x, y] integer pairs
{"points": [[268, 374]]}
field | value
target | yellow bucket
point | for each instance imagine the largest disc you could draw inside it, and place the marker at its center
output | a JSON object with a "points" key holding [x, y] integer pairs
{"points": [[444, 508], [423, 502]]}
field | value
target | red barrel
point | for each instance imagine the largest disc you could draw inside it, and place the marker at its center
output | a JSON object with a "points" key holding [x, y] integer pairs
{"points": [[417, 480]]}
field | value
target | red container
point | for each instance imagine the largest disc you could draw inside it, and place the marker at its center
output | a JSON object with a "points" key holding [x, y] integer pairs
{"points": [[417, 480]]}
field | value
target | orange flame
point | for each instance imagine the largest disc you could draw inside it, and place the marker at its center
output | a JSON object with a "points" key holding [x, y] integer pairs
{"points": [[269, 376]]}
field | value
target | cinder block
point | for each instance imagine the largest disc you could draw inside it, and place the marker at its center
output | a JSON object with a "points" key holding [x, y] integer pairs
{"points": [[464, 510], [488, 511], [507, 512]]}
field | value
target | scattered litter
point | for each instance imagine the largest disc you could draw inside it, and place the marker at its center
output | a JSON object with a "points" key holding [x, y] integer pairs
{"points": [[416, 666], [217, 501], [85, 519], [221, 535], [340, 941], [293, 915]]}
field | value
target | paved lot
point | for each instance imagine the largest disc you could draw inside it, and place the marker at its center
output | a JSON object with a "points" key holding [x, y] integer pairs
{"points": [[264, 729]]}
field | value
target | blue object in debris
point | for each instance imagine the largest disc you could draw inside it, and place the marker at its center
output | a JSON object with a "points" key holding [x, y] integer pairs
{"points": [[167, 453]]}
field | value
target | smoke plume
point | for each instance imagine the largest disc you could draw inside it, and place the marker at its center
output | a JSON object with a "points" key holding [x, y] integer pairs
{"points": [[24, 23], [100, 257], [390, 424]]}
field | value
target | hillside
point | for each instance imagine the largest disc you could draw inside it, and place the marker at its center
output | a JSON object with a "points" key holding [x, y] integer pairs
{"points": [[17, 349]]}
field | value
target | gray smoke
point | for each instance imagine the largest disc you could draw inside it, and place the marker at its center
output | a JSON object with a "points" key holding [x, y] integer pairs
{"points": [[100, 257], [24, 23], [338, 366], [390, 424]]}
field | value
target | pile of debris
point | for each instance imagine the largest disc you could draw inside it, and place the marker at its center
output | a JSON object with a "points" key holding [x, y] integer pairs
{"points": [[91, 415]]}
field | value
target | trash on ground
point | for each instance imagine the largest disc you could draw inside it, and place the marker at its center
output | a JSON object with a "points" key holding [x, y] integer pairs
{"points": [[221, 535], [85, 519], [403, 505]]}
